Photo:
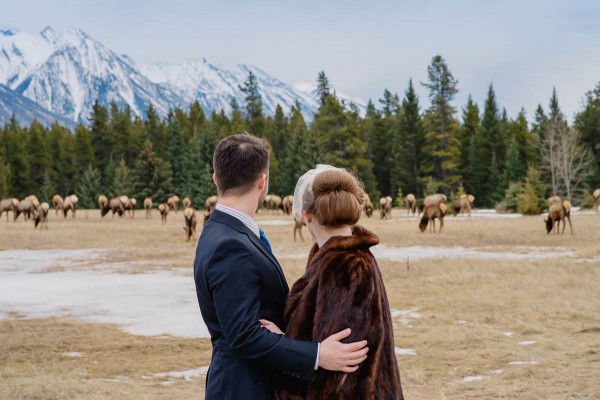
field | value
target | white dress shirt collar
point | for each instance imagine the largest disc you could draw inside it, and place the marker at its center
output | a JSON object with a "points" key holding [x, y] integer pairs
{"points": [[243, 217]]}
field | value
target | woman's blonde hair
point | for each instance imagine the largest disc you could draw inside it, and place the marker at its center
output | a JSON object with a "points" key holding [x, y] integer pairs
{"points": [[339, 198]]}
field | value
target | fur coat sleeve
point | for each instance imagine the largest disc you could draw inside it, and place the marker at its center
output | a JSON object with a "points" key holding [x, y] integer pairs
{"points": [[342, 288]]}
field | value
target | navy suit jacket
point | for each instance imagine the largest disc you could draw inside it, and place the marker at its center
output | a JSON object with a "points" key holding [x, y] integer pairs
{"points": [[238, 281]]}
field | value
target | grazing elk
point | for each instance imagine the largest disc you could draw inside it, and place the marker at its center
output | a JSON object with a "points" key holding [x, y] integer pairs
{"points": [[368, 206], [557, 213], [385, 207], [190, 223], [115, 205], [148, 207], [274, 202], [102, 201], [7, 205], [26, 207], [187, 202], [430, 213], [41, 218], [464, 205], [597, 197], [173, 203], [164, 209], [298, 228], [211, 203], [411, 204], [130, 204], [70, 204], [553, 200], [287, 203], [58, 203]]}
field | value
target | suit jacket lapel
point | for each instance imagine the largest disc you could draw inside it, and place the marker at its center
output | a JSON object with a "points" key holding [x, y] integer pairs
{"points": [[238, 225]]}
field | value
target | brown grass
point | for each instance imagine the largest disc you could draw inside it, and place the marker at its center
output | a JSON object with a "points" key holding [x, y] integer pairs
{"points": [[465, 305]]}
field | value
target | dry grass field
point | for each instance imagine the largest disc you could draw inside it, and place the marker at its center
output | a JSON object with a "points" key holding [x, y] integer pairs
{"points": [[492, 308]]}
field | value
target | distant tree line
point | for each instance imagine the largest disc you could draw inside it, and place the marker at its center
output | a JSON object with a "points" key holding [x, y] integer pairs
{"points": [[397, 147]]}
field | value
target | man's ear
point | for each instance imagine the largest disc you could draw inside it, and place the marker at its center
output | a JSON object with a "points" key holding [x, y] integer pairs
{"points": [[215, 179], [262, 181]]}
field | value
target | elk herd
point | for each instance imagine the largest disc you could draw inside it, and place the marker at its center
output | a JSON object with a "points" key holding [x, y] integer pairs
{"points": [[431, 208]]}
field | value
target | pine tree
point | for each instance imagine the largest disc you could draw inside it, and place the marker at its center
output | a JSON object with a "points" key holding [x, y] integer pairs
{"points": [[300, 153], [323, 89], [442, 147], [101, 136], [339, 138], [379, 149], [494, 153], [47, 190], [389, 103], [587, 122], [5, 175], [532, 199], [38, 154], [254, 111], [513, 170], [407, 144], [152, 176], [176, 154], [17, 157], [154, 131], [89, 188], [471, 168], [123, 181]]}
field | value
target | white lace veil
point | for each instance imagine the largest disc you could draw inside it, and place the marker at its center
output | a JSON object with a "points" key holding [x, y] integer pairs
{"points": [[303, 195]]}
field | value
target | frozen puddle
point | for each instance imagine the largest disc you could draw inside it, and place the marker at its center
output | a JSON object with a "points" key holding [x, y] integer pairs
{"points": [[401, 254], [157, 303]]}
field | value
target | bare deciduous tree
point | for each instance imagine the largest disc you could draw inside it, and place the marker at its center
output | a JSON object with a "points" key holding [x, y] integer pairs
{"points": [[565, 159]]}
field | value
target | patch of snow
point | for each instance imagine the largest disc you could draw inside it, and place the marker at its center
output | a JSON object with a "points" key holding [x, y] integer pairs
{"points": [[405, 352], [186, 374], [119, 379], [460, 322], [474, 378], [73, 354], [523, 363], [527, 342], [400, 254], [509, 334], [497, 371], [143, 304], [405, 316]]}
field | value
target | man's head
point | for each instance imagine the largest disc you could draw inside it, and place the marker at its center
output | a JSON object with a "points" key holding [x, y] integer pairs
{"points": [[240, 162]]}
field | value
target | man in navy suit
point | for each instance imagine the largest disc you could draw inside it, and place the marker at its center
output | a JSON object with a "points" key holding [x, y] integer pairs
{"points": [[239, 281]]}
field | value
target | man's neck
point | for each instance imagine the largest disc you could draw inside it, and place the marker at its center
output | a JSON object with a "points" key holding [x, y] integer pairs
{"points": [[245, 204]]}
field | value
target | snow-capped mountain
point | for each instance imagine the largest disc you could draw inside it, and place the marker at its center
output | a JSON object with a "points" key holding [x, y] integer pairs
{"points": [[72, 70], [25, 110], [66, 72], [214, 86]]}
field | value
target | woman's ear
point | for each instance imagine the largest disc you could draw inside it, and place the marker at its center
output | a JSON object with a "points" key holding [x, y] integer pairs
{"points": [[307, 216]]}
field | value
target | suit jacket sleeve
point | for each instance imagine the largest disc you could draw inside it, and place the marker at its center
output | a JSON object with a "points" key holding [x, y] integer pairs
{"points": [[233, 278]]}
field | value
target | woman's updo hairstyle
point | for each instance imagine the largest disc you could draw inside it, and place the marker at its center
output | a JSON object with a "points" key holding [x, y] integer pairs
{"points": [[338, 198]]}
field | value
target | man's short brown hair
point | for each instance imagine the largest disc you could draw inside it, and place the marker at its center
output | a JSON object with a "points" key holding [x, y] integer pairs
{"points": [[238, 161]]}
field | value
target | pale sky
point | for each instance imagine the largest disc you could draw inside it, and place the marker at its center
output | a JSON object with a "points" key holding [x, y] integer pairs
{"points": [[525, 48]]}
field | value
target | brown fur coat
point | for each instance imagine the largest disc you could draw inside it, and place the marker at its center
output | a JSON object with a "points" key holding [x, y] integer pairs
{"points": [[342, 288]]}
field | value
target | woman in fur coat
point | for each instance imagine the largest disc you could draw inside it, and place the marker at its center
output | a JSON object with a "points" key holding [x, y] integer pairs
{"points": [[341, 288]]}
